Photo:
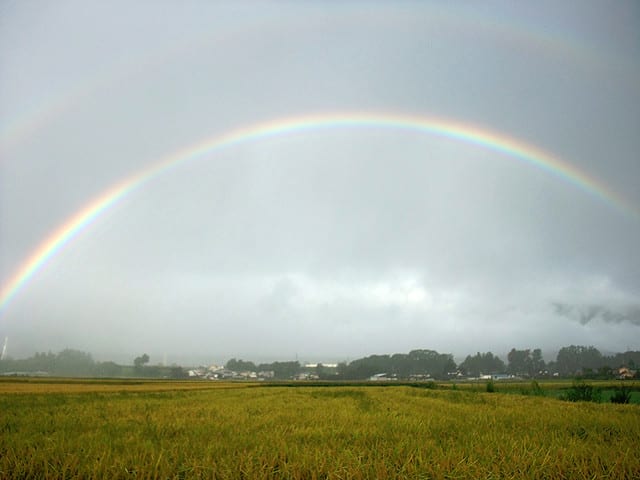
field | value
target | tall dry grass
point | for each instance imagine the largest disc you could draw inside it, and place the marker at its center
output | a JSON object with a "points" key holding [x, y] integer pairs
{"points": [[313, 432]]}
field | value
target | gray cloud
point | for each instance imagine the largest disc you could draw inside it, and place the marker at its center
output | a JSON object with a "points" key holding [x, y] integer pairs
{"points": [[587, 313]]}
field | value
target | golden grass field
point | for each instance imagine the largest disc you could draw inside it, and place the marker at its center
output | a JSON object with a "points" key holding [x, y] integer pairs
{"points": [[148, 429]]}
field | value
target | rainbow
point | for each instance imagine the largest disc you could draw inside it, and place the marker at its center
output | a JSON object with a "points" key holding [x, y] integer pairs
{"points": [[458, 131]]}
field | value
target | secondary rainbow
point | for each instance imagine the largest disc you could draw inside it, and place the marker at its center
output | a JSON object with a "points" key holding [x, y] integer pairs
{"points": [[495, 141], [43, 111]]}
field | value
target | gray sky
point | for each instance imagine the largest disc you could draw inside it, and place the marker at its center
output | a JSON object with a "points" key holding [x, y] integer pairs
{"points": [[326, 244]]}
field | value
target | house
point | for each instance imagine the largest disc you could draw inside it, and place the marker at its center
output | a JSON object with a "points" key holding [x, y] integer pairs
{"points": [[625, 373], [381, 377]]}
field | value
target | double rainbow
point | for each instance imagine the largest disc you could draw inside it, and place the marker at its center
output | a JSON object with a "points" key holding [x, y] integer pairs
{"points": [[458, 131]]}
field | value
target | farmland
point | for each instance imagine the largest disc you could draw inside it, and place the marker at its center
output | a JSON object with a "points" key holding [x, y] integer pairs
{"points": [[151, 429]]}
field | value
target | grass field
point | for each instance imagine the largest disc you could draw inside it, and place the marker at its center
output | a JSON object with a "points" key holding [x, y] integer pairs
{"points": [[147, 429]]}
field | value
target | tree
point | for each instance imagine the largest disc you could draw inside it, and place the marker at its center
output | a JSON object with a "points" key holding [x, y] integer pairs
{"points": [[439, 365], [70, 362], [627, 359], [519, 362], [573, 359], [240, 366], [177, 372], [482, 363], [402, 365], [284, 370], [108, 369], [537, 363], [139, 362]]}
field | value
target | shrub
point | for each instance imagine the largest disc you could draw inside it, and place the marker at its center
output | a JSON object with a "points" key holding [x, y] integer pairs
{"points": [[582, 392], [536, 389], [491, 387], [621, 395]]}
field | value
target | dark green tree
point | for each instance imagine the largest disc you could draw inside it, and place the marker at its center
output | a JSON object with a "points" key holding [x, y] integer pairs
{"points": [[402, 365], [281, 370], [71, 362], [342, 370], [140, 361], [537, 362], [482, 363], [176, 372], [519, 362], [240, 366], [107, 369], [574, 359]]}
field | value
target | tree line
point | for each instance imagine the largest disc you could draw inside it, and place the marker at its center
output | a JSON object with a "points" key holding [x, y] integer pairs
{"points": [[75, 363], [571, 361]]}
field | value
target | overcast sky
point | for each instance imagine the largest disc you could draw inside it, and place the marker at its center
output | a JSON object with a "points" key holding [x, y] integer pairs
{"points": [[327, 244]]}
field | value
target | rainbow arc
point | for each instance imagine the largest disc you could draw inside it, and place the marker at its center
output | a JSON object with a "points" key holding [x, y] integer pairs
{"points": [[510, 147]]}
